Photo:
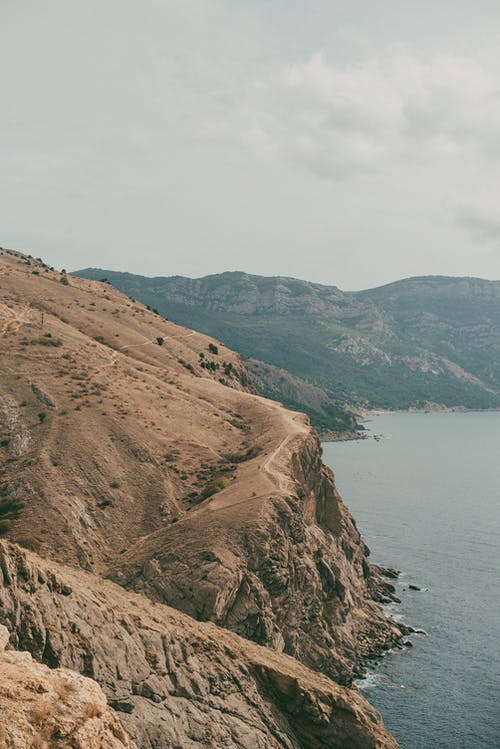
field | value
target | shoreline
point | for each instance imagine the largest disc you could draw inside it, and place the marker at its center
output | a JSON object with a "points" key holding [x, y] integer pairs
{"points": [[364, 416], [430, 408]]}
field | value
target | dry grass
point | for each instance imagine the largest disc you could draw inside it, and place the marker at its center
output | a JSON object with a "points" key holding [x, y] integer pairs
{"points": [[65, 689], [41, 712], [92, 711]]}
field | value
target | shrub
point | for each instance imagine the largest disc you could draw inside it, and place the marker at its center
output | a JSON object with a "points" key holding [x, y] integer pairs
{"points": [[10, 508], [4, 527], [30, 543], [64, 280], [160, 341], [213, 348], [42, 416], [252, 452], [47, 341]]}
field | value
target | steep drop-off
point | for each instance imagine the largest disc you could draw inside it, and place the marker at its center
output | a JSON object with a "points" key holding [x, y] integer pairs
{"points": [[175, 682], [136, 449]]}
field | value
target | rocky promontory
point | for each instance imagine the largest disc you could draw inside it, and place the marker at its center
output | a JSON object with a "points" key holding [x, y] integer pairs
{"points": [[173, 535]]}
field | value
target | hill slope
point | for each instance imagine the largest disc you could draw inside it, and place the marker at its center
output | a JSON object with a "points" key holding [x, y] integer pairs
{"points": [[137, 450], [410, 344]]}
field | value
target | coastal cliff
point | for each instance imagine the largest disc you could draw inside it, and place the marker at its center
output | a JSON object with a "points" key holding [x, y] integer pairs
{"points": [[173, 681], [136, 450], [286, 568]]}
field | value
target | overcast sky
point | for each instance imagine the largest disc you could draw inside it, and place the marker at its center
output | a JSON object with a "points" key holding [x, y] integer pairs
{"points": [[350, 143]]}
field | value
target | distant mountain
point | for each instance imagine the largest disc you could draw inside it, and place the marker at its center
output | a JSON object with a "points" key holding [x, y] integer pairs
{"points": [[425, 342]]}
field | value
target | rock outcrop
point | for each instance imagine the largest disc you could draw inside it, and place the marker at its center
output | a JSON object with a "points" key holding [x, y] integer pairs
{"points": [[137, 450], [43, 708], [286, 568], [176, 682]]}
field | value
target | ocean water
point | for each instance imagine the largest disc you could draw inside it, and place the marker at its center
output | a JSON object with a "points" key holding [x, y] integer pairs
{"points": [[426, 498]]}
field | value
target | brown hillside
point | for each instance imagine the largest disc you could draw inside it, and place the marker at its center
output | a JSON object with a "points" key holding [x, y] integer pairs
{"points": [[136, 449]]}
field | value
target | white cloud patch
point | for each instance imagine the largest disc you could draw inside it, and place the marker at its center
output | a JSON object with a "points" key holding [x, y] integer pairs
{"points": [[339, 121], [479, 223]]}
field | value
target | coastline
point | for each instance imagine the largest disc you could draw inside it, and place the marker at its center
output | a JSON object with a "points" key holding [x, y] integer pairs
{"points": [[364, 415]]}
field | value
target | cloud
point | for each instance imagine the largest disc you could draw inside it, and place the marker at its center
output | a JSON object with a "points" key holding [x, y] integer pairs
{"points": [[341, 121], [479, 223]]}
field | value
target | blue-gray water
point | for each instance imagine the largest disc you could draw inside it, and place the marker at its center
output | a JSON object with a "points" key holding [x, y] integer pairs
{"points": [[426, 498]]}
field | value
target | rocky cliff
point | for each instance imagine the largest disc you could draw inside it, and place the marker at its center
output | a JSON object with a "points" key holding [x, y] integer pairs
{"points": [[175, 682], [137, 450], [43, 708], [280, 562]]}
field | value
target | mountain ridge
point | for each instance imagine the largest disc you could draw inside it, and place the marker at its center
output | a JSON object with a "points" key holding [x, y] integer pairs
{"points": [[416, 343]]}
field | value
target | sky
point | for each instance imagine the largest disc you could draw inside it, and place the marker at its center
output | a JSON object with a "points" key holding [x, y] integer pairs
{"points": [[347, 143]]}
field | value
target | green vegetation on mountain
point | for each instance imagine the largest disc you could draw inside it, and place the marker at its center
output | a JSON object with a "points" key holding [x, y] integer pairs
{"points": [[414, 343]]}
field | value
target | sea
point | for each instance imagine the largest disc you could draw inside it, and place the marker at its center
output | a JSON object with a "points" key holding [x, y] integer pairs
{"points": [[425, 492]]}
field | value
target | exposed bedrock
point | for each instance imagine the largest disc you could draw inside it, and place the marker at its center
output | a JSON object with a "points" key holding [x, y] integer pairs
{"points": [[289, 570], [42, 708], [176, 683]]}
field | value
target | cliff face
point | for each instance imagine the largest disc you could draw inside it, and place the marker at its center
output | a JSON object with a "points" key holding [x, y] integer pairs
{"points": [[137, 450], [42, 708], [288, 569], [174, 681]]}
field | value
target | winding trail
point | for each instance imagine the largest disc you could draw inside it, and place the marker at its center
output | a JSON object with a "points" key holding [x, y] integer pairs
{"points": [[14, 320]]}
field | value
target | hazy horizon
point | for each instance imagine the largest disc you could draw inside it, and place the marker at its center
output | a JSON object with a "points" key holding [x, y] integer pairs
{"points": [[349, 144]]}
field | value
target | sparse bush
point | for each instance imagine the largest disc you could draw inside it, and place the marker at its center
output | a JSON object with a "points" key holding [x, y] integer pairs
{"points": [[44, 341], [252, 452], [10, 508], [92, 711], [4, 527], [40, 713], [30, 543]]}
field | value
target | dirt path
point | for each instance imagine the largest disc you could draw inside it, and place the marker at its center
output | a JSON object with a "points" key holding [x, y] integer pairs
{"points": [[14, 320], [273, 473]]}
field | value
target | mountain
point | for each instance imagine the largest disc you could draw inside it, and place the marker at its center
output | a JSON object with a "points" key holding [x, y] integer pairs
{"points": [[417, 343], [172, 535]]}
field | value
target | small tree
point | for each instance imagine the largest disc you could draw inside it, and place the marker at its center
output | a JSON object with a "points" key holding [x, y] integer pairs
{"points": [[213, 348]]}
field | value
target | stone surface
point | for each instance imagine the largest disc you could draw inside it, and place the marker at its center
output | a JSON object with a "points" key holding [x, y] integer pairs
{"points": [[176, 682], [41, 708], [158, 466]]}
